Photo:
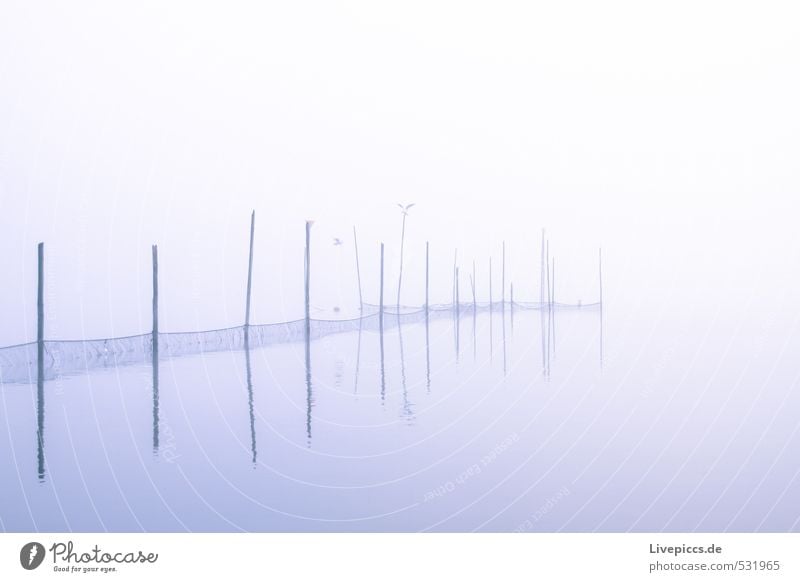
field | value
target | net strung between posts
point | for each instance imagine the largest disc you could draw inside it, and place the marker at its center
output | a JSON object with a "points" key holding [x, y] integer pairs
{"points": [[18, 364]]}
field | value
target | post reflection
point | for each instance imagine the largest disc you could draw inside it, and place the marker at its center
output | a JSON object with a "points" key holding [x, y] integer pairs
{"points": [[154, 353], [40, 411], [408, 411], [309, 388], [427, 350], [249, 378]]}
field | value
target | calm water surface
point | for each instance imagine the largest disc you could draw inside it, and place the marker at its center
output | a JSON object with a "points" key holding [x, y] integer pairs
{"points": [[682, 421]]}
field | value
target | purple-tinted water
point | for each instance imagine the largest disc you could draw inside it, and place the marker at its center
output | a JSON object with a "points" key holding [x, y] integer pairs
{"points": [[688, 422]]}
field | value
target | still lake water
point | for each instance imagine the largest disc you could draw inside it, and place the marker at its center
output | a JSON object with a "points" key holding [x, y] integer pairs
{"points": [[491, 422]]}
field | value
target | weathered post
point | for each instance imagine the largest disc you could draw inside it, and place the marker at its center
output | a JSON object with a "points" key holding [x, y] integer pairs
{"points": [[250, 269]]}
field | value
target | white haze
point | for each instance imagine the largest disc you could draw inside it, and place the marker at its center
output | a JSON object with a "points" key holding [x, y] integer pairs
{"points": [[665, 132]]}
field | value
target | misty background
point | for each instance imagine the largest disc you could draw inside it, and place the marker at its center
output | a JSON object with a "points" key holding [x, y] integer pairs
{"points": [[667, 134]]}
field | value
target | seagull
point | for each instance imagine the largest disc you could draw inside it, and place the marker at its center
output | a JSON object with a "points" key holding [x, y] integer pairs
{"points": [[406, 208], [337, 242]]}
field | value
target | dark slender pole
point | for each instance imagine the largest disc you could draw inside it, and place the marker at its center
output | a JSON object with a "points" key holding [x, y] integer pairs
{"points": [[474, 296], [402, 248], [549, 297], [250, 268], [155, 294], [308, 277], [358, 272], [40, 297], [40, 365], [427, 274], [541, 275], [503, 280], [380, 301]]}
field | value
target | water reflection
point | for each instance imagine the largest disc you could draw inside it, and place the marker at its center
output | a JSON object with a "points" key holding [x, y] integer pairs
{"points": [[249, 378], [427, 350], [309, 390], [474, 331], [383, 361], [40, 410], [503, 316], [154, 352], [407, 406], [358, 356]]}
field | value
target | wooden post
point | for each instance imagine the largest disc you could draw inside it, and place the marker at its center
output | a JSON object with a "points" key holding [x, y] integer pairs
{"points": [[40, 365], [308, 277], [474, 296], [358, 272], [40, 297], [427, 274], [155, 293], [503, 280], [549, 297], [250, 269], [380, 301], [541, 275]]}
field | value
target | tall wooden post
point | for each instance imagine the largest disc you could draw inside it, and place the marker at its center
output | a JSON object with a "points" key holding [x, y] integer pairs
{"points": [[155, 293], [541, 275], [250, 269], [358, 272], [40, 297], [427, 273], [381, 297], [308, 277], [503, 280]]}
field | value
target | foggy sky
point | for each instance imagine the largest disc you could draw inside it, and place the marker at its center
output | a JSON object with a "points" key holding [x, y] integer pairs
{"points": [[665, 133]]}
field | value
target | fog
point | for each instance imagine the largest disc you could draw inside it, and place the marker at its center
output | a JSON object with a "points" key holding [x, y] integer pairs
{"points": [[665, 134]]}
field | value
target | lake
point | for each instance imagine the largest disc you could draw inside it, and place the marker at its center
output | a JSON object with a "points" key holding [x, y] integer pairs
{"points": [[501, 420]]}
